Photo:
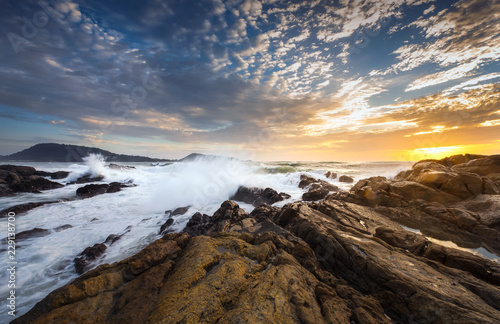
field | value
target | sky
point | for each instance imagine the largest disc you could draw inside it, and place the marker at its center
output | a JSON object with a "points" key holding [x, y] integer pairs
{"points": [[348, 80]]}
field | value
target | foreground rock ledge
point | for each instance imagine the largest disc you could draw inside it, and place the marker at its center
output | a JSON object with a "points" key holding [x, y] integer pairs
{"points": [[333, 262]]}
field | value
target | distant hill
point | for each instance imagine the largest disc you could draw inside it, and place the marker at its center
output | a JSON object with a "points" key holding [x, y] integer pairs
{"points": [[196, 156], [52, 152]]}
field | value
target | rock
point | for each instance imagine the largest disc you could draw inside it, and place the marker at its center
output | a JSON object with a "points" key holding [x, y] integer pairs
{"points": [[83, 260], [167, 224], [306, 180], [63, 227], [403, 175], [317, 189], [228, 213], [331, 175], [315, 194], [320, 267], [178, 211], [115, 187], [59, 175], [258, 196], [481, 166], [92, 190], [198, 224], [15, 179], [35, 232], [87, 179], [346, 179], [23, 208]]}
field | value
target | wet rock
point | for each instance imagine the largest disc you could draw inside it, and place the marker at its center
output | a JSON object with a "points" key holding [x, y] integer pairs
{"points": [[23, 208], [63, 227], [180, 211], [15, 179], [331, 175], [85, 259], [346, 179], [167, 224], [258, 196], [198, 224], [317, 189], [115, 187], [315, 194], [59, 175], [92, 190], [87, 179], [35, 232]]}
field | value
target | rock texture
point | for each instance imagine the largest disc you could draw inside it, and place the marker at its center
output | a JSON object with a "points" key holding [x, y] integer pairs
{"points": [[92, 190], [317, 189], [258, 196], [15, 179], [345, 259]]}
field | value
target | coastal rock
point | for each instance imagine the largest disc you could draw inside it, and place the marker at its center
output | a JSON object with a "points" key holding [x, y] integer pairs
{"points": [[258, 196], [87, 179], [338, 262], [315, 194], [15, 179], [19, 209], [317, 189], [331, 175], [63, 227], [166, 225], [346, 179], [35, 232], [482, 166], [179, 211], [198, 224], [92, 190], [90, 254]]}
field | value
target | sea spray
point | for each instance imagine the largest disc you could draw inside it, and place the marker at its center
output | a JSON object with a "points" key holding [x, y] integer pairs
{"points": [[96, 166], [198, 183]]}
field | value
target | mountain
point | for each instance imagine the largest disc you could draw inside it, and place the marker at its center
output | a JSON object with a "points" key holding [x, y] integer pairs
{"points": [[52, 152]]}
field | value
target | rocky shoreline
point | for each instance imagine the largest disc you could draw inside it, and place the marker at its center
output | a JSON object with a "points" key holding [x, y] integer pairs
{"points": [[347, 258]]}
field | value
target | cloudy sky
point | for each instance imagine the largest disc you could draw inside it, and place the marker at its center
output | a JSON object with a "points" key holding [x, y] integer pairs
{"points": [[261, 79]]}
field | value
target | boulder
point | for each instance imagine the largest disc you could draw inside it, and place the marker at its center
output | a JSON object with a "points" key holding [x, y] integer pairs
{"points": [[482, 166], [258, 196], [331, 175], [346, 179], [35, 232], [314, 194], [92, 190]]}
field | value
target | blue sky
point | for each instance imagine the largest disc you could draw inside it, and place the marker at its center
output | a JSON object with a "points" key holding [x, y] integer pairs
{"points": [[267, 80]]}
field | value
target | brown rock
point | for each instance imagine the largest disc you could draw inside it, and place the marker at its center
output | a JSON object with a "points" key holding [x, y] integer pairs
{"points": [[346, 179]]}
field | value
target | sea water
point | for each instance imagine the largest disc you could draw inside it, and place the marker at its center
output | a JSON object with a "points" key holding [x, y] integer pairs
{"points": [[46, 263]]}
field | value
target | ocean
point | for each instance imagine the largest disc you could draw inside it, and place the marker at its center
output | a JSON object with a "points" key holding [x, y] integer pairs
{"points": [[46, 263]]}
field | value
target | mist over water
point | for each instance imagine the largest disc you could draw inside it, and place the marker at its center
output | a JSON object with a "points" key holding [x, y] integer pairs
{"points": [[46, 263]]}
